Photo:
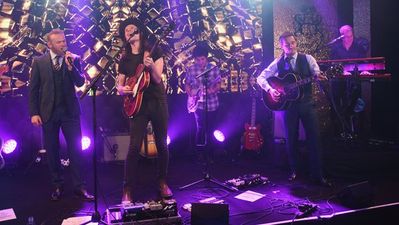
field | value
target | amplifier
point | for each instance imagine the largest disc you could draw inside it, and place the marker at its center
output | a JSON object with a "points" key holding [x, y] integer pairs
{"points": [[115, 147], [152, 212]]}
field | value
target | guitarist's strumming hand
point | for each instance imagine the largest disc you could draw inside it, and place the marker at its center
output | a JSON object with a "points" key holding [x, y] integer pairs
{"points": [[321, 76], [125, 90], [275, 94]]}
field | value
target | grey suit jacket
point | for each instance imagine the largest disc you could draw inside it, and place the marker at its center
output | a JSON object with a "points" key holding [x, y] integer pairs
{"points": [[42, 88]]}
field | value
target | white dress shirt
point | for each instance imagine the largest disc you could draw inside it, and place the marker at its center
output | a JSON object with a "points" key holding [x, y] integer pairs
{"points": [[54, 58], [272, 69]]}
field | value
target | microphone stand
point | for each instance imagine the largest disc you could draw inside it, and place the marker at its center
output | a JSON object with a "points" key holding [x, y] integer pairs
{"points": [[96, 217], [207, 176]]}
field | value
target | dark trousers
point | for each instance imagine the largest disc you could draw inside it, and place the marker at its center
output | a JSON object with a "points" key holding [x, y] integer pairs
{"points": [[157, 111], [345, 93], [206, 124], [306, 112], [70, 126]]}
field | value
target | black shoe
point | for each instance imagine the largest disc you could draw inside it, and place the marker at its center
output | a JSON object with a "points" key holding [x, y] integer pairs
{"points": [[83, 194], [292, 176], [323, 182], [57, 194]]}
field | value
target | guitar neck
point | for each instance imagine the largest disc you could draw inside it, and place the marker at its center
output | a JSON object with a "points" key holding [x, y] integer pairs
{"points": [[253, 113], [300, 82], [154, 47], [164, 34]]}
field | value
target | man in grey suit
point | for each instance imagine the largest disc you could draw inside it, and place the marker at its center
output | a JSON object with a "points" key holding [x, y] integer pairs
{"points": [[53, 104]]}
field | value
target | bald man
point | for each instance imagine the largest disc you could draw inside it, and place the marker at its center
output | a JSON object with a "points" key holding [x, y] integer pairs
{"points": [[349, 47]]}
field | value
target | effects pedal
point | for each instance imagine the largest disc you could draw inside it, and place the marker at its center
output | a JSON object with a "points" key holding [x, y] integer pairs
{"points": [[306, 209], [142, 213], [247, 180]]}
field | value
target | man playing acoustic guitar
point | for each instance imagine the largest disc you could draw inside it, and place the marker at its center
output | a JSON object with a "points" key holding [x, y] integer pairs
{"points": [[153, 103], [293, 67]]}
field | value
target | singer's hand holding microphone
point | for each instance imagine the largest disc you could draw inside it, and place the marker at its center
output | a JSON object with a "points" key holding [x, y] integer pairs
{"points": [[69, 58]]}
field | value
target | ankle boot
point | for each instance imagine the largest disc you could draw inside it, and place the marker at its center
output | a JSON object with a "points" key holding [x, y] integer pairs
{"points": [[164, 189], [127, 196]]}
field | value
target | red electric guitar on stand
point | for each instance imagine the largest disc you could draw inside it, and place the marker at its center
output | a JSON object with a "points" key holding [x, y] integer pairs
{"points": [[252, 138]]}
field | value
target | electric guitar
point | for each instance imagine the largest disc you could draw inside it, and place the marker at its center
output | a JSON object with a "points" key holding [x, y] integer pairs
{"points": [[5, 82], [289, 87], [197, 90], [148, 147], [140, 81], [195, 94], [253, 139]]}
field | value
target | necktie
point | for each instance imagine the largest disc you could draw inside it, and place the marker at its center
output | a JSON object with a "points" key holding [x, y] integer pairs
{"points": [[288, 65], [57, 64]]}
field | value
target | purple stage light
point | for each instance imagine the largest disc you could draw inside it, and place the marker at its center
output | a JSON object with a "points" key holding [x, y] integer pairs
{"points": [[9, 146], [85, 143], [168, 140], [219, 135]]}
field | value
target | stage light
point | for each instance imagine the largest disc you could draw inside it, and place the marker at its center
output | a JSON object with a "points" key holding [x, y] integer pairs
{"points": [[168, 140], [85, 143], [219, 135], [9, 146]]}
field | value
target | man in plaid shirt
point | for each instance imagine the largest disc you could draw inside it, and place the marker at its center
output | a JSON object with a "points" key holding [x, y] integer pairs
{"points": [[197, 80]]}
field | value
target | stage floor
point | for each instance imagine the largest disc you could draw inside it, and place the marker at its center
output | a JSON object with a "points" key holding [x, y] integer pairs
{"points": [[27, 192]]}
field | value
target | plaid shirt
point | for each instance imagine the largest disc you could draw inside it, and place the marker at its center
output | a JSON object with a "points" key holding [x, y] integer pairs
{"points": [[195, 83]]}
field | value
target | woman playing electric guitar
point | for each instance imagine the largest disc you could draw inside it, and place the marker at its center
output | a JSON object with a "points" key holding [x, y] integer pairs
{"points": [[153, 105]]}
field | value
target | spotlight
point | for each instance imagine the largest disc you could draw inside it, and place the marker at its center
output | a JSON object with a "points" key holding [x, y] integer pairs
{"points": [[85, 143], [219, 135], [9, 146], [168, 140]]}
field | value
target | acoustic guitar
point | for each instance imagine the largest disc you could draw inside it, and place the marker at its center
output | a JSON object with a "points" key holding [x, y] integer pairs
{"points": [[252, 137], [289, 87], [140, 81], [148, 147], [2, 161]]}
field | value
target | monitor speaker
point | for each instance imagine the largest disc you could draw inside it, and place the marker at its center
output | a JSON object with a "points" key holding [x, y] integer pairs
{"points": [[116, 147], [209, 214], [356, 195]]}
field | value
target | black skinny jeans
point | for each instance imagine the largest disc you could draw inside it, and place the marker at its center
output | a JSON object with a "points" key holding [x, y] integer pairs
{"points": [[155, 110]]}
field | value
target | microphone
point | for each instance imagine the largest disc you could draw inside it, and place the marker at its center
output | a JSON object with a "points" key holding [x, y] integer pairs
{"points": [[335, 40], [134, 33], [70, 60], [131, 35]]}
